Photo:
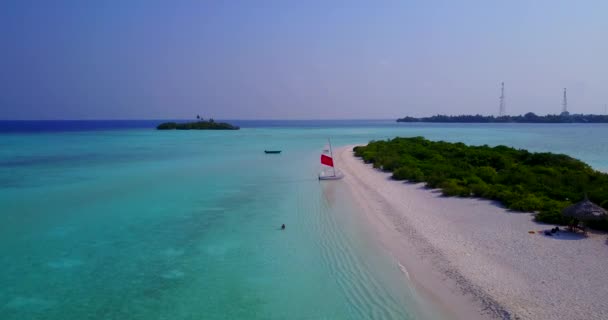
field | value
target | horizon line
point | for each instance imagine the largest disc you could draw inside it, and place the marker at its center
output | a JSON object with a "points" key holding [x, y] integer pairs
{"points": [[218, 119]]}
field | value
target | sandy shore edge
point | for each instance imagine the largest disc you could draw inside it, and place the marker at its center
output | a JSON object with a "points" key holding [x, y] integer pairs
{"points": [[475, 259]]}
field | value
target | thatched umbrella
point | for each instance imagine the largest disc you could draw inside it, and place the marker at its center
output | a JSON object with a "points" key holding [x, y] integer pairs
{"points": [[585, 211]]}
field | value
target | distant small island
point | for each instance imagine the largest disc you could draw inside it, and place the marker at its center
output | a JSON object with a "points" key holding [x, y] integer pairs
{"points": [[529, 117], [198, 125]]}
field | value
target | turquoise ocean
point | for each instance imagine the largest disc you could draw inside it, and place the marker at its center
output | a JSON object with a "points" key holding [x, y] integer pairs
{"points": [[126, 222]]}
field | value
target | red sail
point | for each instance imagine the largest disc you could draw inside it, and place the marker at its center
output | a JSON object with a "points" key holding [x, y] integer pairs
{"points": [[328, 161]]}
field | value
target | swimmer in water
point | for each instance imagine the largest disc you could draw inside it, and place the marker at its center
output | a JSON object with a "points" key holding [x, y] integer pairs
{"points": [[283, 227]]}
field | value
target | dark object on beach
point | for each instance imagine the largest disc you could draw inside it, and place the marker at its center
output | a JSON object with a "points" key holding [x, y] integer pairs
{"points": [[283, 227], [585, 210], [272, 151], [548, 233]]}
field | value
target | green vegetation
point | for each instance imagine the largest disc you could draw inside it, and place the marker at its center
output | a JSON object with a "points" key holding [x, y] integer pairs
{"points": [[529, 117], [524, 181], [198, 125]]}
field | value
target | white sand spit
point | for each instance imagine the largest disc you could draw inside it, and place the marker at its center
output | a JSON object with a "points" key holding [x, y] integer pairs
{"points": [[477, 259]]}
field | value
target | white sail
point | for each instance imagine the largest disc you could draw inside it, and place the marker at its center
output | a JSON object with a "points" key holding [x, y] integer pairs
{"points": [[328, 160]]}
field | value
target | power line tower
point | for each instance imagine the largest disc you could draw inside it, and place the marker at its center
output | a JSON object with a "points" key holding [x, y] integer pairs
{"points": [[501, 106], [565, 103]]}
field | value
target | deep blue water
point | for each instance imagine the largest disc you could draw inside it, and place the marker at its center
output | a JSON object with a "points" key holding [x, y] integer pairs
{"points": [[44, 126]]}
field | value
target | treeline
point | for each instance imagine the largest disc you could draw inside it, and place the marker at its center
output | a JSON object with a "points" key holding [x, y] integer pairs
{"points": [[198, 125], [529, 117], [544, 183]]}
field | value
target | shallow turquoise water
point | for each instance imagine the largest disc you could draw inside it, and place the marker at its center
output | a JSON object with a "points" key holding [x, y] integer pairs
{"points": [[140, 224]]}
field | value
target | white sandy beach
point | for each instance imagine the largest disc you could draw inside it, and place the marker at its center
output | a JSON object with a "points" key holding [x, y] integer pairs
{"points": [[477, 259]]}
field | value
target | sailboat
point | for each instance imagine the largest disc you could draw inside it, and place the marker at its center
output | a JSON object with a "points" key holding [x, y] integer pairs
{"points": [[333, 174]]}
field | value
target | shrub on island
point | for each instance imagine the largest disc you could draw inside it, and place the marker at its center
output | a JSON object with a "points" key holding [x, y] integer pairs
{"points": [[198, 125], [543, 183]]}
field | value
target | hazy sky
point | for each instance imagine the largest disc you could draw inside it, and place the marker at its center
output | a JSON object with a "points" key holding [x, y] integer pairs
{"points": [[283, 59]]}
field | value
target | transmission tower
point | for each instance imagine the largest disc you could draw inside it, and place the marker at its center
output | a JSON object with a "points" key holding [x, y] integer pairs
{"points": [[565, 103], [501, 106]]}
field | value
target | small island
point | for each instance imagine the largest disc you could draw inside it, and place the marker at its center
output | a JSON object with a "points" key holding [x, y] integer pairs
{"points": [[544, 183], [529, 117], [200, 124]]}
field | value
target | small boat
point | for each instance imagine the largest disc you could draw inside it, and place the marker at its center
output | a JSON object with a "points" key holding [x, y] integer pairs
{"points": [[272, 151], [335, 174]]}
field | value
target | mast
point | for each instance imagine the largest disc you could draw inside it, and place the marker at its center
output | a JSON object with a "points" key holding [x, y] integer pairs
{"points": [[501, 105], [565, 103], [331, 154]]}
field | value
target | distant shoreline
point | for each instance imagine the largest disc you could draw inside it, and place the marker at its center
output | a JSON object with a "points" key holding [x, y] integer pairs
{"points": [[529, 117]]}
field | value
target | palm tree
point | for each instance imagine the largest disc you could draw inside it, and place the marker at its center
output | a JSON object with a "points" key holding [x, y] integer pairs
{"points": [[198, 117]]}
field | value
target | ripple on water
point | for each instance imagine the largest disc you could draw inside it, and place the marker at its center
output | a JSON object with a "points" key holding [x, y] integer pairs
{"points": [[173, 274], [29, 304], [172, 253], [64, 263], [365, 292], [60, 232], [222, 249]]}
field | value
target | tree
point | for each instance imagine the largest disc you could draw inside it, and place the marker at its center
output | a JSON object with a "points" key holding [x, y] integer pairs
{"points": [[535, 182]]}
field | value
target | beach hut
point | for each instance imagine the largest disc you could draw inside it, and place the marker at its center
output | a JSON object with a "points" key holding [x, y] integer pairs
{"points": [[584, 211]]}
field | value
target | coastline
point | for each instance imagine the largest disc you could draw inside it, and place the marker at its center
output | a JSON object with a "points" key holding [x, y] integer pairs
{"points": [[476, 260]]}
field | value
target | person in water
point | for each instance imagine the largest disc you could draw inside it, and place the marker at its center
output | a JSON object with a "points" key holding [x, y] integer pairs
{"points": [[283, 227]]}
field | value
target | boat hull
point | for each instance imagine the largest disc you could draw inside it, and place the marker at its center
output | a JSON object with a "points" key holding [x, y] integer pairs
{"points": [[272, 151], [338, 176]]}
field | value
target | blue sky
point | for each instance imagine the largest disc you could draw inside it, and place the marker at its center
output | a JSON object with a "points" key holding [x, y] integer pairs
{"points": [[299, 59]]}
